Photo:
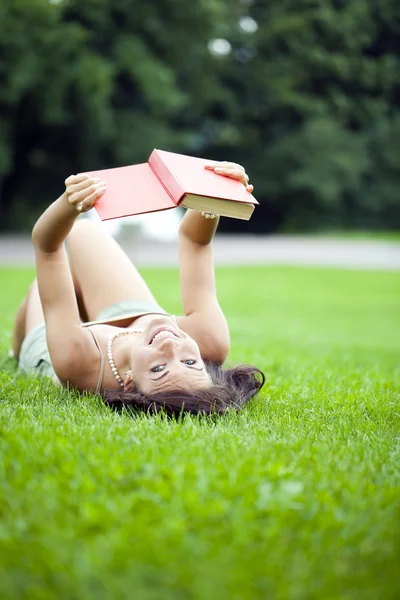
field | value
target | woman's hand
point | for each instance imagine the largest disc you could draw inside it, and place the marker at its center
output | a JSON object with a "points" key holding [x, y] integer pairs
{"points": [[82, 191], [233, 170]]}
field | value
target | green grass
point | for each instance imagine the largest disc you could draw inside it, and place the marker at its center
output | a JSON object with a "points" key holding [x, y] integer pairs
{"points": [[296, 497]]}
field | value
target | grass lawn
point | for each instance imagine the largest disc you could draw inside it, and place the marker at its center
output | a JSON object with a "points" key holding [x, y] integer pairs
{"points": [[296, 497]]}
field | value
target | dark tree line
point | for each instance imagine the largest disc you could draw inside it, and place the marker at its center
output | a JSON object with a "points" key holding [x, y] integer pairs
{"points": [[307, 99]]}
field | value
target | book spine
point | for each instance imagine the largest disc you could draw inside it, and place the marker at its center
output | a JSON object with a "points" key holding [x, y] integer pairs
{"points": [[167, 178]]}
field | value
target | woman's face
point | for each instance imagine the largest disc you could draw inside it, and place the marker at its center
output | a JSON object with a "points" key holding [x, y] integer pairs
{"points": [[164, 358]]}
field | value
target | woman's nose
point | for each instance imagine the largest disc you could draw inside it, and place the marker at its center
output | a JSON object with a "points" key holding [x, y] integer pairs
{"points": [[169, 345]]}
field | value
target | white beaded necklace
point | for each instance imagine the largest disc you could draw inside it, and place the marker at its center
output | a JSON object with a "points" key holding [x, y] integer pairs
{"points": [[110, 355]]}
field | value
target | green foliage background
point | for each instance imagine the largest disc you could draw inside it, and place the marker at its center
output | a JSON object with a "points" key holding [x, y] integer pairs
{"points": [[309, 102]]}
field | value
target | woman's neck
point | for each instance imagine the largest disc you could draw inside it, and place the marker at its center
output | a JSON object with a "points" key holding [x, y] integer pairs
{"points": [[122, 349]]}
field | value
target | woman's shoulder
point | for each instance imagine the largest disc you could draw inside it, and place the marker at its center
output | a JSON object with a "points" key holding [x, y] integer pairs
{"points": [[211, 336], [78, 364]]}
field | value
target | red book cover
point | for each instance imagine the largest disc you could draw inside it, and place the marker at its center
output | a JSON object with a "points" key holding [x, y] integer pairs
{"points": [[183, 174], [161, 184], [131, 190]]}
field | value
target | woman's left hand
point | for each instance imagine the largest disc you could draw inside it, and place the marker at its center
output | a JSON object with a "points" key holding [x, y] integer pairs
{"points": [[233, 170]]}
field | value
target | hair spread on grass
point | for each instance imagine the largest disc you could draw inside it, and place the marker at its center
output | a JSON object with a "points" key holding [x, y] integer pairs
{"points": [[231, 389]]}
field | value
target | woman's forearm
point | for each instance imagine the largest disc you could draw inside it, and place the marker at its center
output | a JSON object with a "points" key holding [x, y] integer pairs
{"points": [[54, 225], [196, 228], [81, 194]]}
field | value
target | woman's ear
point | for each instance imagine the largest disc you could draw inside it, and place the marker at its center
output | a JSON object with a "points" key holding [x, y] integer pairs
{"points": [[128, 381]]}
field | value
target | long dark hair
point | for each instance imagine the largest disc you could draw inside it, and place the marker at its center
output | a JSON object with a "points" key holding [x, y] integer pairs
{"points": [[231, 389]]}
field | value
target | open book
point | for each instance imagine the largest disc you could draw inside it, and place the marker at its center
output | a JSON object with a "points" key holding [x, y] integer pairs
{"points": [[168, 180]]}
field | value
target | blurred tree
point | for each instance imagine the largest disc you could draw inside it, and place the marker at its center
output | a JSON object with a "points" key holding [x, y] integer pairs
{"points": [[316, 109], [304, 93], [94, 84]]}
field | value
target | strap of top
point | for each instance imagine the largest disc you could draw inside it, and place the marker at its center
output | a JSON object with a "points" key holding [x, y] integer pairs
{"points": [[102, 362]]}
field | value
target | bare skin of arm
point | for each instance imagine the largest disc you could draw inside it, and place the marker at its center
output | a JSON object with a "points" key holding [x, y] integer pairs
{"points": [[68, 343], [205, 320]]}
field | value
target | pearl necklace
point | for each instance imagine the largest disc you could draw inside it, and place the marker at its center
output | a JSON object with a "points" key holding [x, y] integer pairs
{"points": [[110, 355]]}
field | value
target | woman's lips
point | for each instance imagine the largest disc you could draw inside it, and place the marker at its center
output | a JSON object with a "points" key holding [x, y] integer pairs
{"points": [[158, 330]]}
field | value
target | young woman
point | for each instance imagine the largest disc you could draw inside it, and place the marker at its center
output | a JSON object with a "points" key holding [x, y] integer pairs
{"points": [[91, 322]]}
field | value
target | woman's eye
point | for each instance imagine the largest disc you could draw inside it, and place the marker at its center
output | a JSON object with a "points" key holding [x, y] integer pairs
{"points": [[157, 369], [189, 362]]}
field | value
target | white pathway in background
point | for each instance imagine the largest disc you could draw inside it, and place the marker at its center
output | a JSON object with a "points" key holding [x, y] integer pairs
{"points": [[242, 250]]}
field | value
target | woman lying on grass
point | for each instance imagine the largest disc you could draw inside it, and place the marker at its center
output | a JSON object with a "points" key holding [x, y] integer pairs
{"points": [[91, 322]]}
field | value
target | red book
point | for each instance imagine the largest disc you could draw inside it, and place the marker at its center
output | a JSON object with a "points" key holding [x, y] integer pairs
{"points": [[169, 180]]}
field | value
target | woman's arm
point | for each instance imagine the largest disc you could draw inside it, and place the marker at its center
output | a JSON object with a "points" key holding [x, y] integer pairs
{"points": [[66, 341], [56, 222], [196, 228], [196, 261], [205, 320]]}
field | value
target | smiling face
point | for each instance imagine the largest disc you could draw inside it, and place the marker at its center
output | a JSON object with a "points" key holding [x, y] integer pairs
{"points": [[166, 358]]}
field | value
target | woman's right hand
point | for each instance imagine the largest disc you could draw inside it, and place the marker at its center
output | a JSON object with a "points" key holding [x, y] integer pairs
{"points": [[82, 191]]}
